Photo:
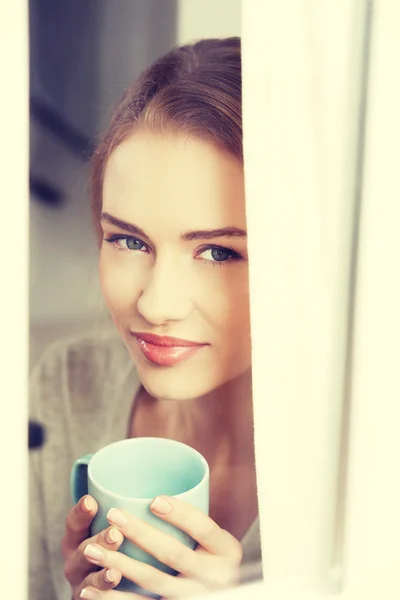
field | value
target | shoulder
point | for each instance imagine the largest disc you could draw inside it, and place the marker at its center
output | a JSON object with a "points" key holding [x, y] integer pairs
{"points": [[80, 366], [87, 349]]}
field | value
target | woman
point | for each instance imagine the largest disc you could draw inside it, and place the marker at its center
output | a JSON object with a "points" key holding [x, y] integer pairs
{"points": [[169, 211]]}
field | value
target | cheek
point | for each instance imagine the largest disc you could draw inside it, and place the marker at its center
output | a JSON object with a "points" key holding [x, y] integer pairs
{"points": [[227, 307], [120, 289]]}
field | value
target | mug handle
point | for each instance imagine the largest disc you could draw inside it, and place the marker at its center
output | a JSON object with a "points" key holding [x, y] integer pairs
{"points": [[79, 478]]}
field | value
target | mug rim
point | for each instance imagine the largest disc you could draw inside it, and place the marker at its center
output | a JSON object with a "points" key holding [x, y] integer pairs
{"points": [[180, 496]]}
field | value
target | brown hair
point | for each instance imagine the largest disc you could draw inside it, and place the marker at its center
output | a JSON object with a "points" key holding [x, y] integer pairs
{"points": [[195, 88]]}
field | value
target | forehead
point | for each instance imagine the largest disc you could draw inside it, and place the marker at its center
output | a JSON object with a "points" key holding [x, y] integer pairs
{"points": [[174, 179]]}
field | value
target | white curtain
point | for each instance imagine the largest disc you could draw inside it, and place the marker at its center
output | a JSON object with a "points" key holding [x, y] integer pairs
{"points": [[321, 133]]}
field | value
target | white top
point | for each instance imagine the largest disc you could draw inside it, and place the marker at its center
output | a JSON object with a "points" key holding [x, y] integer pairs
{"points": [[81, 391]]}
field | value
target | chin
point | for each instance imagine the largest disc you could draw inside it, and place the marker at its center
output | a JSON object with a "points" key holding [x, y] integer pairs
{"points": [[183, 384], [167, 384]]}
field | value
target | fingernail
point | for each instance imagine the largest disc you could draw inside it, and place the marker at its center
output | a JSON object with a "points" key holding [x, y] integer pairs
{"points": [[95, 553], [89, 594], [161, 506], [116, 517], [112, 536], [110, 576], [87, 504]]}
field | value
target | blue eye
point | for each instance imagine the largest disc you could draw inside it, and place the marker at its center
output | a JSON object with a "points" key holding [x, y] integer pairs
{"points": [[219, 254], [125, 242], [133, 243]]}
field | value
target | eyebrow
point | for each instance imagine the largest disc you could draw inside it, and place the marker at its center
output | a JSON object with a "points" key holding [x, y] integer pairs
{"points": [[201, 234]]}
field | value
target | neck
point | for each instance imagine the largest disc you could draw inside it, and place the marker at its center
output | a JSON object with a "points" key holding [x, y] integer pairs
{"points": [[220, 421]]}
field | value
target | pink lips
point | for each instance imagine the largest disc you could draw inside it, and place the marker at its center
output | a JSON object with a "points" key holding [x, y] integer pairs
{"points": [[165, 351]]}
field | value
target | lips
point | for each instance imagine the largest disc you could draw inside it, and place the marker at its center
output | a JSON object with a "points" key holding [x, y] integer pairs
{"points": [[166, 351]]}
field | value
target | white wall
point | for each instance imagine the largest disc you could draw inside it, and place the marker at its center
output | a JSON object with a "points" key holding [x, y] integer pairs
{"points": [[208, 18]]}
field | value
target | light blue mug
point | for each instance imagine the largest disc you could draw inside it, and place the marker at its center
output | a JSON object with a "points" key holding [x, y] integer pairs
{"points": [[129, 474]]}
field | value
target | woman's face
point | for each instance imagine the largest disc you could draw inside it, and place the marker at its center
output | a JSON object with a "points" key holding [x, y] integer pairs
{"points": [[173, 263]]}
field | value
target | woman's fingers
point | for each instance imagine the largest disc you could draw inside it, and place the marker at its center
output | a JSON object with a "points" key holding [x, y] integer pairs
{"points": [[162, 546], [199, 526], [103, 580], [145, 576], [78, 523], [214, 565], [77, 567]]}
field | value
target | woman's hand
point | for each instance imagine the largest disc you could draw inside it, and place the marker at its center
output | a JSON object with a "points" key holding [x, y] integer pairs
{"points": [[213, 565], [79, 572]]}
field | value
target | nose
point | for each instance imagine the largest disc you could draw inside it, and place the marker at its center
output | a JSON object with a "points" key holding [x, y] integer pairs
{"points": [[166, 297]]}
